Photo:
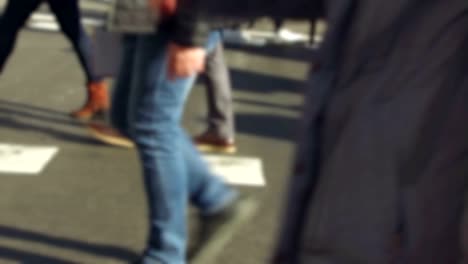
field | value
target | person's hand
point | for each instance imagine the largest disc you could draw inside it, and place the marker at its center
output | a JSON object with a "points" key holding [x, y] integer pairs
{"points": [[185, 61], [163, 7]]}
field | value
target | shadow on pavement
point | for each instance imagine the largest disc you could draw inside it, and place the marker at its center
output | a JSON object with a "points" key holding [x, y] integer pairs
{"points": [[19, 125], [109, 251], [31, 107], [292, 52], [260, 83], [269, 105], [18, 116], [32, 114], [28, 257], [272, 126]]}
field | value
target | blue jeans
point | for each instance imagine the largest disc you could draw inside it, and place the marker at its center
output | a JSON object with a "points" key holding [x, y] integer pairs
{"points": [[148, 108]]}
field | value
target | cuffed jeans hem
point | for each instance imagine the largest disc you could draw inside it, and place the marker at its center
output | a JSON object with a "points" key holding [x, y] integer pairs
{"points": [[153, 258], [226, 200]]}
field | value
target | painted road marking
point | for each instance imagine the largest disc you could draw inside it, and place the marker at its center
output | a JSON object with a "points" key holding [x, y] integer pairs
{"points": [[261, 37], [247, 171], [44, 26], [19, 159], [31, 160], [48, 22]]}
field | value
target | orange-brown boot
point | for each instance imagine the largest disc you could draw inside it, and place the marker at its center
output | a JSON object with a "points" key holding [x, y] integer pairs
{"points": [[96, 104]]}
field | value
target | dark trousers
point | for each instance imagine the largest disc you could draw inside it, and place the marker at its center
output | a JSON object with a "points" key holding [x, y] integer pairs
{"points": [[67, 13]]}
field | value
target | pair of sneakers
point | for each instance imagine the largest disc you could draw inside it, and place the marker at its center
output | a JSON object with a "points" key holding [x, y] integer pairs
{"points": [[216, 230]]}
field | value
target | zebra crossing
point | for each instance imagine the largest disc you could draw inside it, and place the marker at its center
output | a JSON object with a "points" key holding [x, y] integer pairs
{"points": [[21, 160]]}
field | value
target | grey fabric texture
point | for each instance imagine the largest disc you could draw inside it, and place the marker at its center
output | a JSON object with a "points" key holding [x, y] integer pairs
{"points": [[380, 174], [132, 16], [219, 94]]}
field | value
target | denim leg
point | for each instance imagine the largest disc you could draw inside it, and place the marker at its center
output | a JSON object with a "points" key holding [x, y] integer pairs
{"points": [[123, 84], [172, 168], [207, 192], [154, 113]]}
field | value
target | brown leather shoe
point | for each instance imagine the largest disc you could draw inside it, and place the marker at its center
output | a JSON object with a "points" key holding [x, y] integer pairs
{"points": [[109, 136], [211, 142], [96, 104]]}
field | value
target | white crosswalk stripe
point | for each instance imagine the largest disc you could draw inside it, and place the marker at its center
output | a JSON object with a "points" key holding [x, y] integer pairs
{"points": [[27, 160], [47, 22], [18, 159], [246, 171]]}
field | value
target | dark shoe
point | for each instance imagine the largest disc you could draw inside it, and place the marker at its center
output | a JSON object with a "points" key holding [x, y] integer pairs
{"points": [[109, 136], [211, 142], [96, 104], [217, 230], [141, 261]]}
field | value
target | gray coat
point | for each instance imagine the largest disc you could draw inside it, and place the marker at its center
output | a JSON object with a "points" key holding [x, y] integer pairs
{"points": [[135, 16], [132, 16], [381, 171]]}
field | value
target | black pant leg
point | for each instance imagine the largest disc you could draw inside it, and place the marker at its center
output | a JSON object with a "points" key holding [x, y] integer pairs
{"points": [[15, 15]]}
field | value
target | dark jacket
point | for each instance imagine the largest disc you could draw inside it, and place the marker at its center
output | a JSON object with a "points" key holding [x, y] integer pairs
{"points": [[381, 169]]}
